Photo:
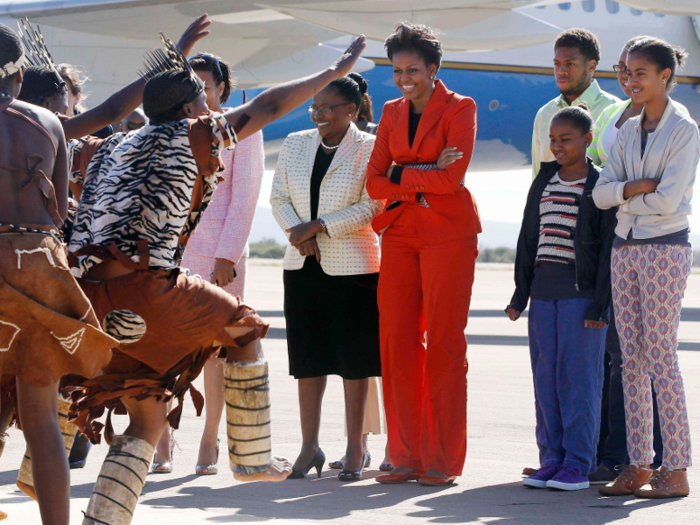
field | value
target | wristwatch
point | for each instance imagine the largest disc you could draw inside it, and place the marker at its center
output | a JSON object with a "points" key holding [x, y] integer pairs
{"points": [[323, 226]]}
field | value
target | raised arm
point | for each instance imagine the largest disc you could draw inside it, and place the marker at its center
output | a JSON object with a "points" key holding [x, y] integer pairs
{"points": [[277, 101], [126, 100]]}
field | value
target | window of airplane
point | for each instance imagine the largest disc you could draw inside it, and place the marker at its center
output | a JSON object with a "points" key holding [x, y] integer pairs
{"points": [[613, 7], [660, 15], [565, 6], [636, 12], [588, 6]]}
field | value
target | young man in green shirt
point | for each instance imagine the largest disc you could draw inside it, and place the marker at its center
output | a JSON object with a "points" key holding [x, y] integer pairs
{"points": [[576, 56]]}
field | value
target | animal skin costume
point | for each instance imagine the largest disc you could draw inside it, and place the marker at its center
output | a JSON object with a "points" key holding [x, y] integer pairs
{"points": [[143, 196]]}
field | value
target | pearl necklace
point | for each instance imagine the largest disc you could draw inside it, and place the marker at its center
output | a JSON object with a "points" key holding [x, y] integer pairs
{"points": [[329, 148]]}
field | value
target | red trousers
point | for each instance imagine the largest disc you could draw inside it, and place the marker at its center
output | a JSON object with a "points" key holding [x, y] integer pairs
{"points": [[425, 287]]}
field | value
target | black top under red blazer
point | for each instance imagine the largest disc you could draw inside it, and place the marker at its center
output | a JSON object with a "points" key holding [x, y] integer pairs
{"points": [[449, 120]]}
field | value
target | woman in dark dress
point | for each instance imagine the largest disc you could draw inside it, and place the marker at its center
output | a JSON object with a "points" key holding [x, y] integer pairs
{"points": [[330, 268]]}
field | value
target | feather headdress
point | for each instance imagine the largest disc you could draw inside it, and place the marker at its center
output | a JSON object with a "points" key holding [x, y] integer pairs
{"points": [[171, 59], [35, 49]]}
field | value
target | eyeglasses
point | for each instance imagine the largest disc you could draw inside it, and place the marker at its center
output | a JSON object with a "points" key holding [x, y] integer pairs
{"points": [[617, 68], [324, 110]]}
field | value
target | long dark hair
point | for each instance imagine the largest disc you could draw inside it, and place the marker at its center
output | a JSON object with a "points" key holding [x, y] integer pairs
{"points": [[661, 53], [220, 70]]}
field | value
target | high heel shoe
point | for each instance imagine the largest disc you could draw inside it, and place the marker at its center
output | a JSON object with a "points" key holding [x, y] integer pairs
{"points": [[164, 467], [209, 470], [353, 475], [338, 465], [318, 462]]}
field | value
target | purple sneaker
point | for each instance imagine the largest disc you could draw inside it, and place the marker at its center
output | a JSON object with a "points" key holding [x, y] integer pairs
{"points": [[540, 478], [568, 478]]}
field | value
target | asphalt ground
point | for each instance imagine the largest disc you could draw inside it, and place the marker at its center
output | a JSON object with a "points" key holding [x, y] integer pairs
{"points": [[501, 442]]}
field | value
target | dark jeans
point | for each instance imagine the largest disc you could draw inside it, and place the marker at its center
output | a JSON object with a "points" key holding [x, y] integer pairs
{"points": [[567, 366], [612, 445]]}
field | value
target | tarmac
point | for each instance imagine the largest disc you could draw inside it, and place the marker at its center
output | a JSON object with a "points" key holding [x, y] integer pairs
{"points": [[501, 442]]}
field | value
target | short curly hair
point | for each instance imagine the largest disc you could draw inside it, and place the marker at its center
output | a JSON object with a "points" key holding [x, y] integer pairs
{"points": [[10, 50], [415, 38], [581, 39]]}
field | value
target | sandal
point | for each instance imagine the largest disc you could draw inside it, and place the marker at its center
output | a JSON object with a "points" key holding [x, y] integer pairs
{"points": [[209, 470], [165, 467]]}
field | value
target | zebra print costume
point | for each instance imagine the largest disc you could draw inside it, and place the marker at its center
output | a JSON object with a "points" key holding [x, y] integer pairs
{"points": [[140, 187]]}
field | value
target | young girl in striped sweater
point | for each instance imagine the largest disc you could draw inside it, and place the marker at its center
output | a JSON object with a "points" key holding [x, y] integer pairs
{"points": [[563, 268]]}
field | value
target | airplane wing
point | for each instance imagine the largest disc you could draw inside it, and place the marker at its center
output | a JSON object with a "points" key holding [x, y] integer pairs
{"points": [[466, 25], [268, 43], [109, 37]]}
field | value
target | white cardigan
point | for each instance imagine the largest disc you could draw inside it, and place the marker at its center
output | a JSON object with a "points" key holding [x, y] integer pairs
{"points": [[351, 246]]}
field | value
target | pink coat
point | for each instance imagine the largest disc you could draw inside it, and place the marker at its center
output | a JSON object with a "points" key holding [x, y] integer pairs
{"points": [[225, 226]]}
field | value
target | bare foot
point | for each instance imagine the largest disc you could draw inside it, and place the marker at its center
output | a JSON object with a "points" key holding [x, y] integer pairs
{"points": [[27, 489], [3, 515], [277, 471]]}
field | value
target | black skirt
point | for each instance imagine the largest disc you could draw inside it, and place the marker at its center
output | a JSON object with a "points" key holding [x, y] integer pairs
{"points": [[332, 323]]}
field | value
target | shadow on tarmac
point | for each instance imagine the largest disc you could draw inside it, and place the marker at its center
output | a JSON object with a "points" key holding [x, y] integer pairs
{"points": [[326, 499]]}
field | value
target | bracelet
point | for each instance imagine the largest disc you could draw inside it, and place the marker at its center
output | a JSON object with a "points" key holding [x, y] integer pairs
{"points": [[323, 226]]}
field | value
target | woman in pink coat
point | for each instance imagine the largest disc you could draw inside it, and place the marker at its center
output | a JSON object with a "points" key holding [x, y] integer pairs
{"points": [[218, 250]]}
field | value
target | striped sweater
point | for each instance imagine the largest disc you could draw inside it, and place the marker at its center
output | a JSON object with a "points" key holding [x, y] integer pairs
{"points": [[558, 213]]}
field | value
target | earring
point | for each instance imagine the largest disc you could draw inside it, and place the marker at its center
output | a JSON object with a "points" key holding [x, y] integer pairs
{"points": [[587, 144], [664, 81]]}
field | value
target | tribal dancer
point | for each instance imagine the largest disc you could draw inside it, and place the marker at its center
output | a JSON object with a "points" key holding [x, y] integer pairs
{"points": [[143, 196], [47, 326], [43, 86]]}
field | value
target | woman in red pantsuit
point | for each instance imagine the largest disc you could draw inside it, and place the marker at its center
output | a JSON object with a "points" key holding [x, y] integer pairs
{"points": [[429, 245]]}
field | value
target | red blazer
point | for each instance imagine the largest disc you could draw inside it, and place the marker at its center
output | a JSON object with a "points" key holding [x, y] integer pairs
{"points": [[448, 120]]}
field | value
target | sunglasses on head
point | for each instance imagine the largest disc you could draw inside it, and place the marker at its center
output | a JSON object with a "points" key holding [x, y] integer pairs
{"points": [[210, 60]]}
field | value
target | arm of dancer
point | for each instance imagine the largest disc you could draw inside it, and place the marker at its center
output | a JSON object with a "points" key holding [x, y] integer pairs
{"points": [[277, 101], [126, 100]]}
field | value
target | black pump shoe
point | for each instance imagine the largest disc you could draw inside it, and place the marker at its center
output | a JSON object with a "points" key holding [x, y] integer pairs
{"points": [[353, 475], [318, 462], [337, 465]]}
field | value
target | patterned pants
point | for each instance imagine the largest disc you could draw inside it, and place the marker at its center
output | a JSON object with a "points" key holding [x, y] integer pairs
{"points": [[648, 286]]}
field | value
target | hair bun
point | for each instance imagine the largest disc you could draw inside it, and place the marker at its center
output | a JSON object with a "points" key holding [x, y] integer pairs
{"points": [[361, 82]]}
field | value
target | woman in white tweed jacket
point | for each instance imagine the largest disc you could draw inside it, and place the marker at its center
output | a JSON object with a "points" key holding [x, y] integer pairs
{"points": [[330, 268]]}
